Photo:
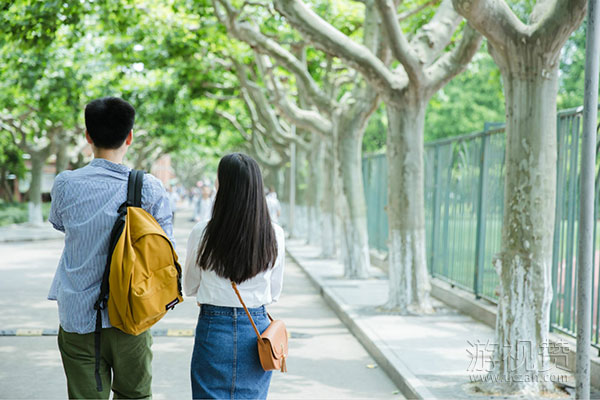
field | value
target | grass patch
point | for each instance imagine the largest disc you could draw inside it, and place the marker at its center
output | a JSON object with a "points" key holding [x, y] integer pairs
{"points": [[16, 213]]}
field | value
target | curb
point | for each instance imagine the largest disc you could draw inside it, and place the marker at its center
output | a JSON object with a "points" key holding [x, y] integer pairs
{"points": [[410, 386], [54, 332], [29, 239]]}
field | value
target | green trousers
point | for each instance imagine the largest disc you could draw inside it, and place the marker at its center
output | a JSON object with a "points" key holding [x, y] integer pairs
{"points": [[125, 365]]}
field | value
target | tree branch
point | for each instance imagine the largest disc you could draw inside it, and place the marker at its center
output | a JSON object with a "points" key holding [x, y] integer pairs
{"points": [[307, 119], [434, 36], [17, 132], [493, 18], [250, 34], [263, 110], [400, 47], [453, 62], [556, 21], [233, 121], [407, 14], [327, 38], [261, 152]]}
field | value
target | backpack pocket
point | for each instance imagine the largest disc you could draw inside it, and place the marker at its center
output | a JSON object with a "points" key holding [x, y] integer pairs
{"points": [[150, 297]]}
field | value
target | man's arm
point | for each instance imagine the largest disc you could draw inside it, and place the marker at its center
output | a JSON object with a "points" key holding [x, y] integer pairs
{"points": [[155, 200], [56, 196]]}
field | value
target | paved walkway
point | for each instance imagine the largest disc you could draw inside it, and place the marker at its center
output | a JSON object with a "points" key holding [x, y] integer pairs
{"points": [[27, 233], [326, 361], [426, 356]]}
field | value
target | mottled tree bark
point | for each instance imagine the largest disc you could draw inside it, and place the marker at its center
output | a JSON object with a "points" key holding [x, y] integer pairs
{"points": [[328, 204], [38, 160], [350, 131], [528, 58], [315, 191], [409, 281]]}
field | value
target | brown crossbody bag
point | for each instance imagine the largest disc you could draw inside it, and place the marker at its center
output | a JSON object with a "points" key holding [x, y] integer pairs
{"points": [[272, 344]]}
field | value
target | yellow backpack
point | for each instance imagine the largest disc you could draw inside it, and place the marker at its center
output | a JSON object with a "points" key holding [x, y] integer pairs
{"points": [[142, 279]]}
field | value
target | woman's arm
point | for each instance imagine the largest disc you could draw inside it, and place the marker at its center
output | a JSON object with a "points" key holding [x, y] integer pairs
{"points": [[191, 274]]}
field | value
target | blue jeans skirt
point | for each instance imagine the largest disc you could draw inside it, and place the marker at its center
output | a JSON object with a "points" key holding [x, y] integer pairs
{"points": [[225, 362]]}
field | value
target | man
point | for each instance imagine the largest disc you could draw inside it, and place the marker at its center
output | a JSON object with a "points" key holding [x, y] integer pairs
{"points": [[205, 204], [173, 200], [273, 205], [84, 207]]}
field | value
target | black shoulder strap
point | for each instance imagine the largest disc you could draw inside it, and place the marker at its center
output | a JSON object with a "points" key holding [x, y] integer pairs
{"points": [[134, 188]]}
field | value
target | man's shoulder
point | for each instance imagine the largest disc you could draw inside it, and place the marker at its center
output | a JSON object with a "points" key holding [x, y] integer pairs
{"points": [[73, 174], [153, 187], [67, 176], [152, 181]]}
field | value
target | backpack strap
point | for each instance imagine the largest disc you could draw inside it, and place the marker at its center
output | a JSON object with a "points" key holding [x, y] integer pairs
{"points": [[134, 198], [134, 188]]}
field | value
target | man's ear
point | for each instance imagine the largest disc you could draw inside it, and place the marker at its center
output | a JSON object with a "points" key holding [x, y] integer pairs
{"points": [[88, 137], [129, 138]]}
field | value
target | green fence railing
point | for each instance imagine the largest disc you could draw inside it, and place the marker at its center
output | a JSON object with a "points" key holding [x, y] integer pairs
{"points": [[464, 199]]}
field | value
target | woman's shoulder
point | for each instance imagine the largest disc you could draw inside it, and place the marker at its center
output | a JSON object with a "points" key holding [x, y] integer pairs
{"points": [[198, 229]]}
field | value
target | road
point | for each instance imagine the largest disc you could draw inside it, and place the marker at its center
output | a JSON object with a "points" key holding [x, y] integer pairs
{"points": [[326, 361]]}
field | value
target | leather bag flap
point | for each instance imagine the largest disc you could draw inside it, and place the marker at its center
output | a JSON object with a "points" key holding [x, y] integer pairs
{"points": [[277, 338]]}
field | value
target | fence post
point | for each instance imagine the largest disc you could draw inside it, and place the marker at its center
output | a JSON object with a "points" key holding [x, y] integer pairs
{"points": [[435, 214], [481, 213], [558, 217], [586, 205]]}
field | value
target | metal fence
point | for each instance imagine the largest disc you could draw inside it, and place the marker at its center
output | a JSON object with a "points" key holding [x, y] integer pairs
{"points": [[464, 199]]}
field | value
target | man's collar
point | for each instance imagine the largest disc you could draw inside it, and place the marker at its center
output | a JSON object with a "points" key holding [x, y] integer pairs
{"points": [[104, 163]]}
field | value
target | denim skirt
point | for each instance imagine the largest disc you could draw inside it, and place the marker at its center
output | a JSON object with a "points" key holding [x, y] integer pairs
{"points": [[225, 363]]}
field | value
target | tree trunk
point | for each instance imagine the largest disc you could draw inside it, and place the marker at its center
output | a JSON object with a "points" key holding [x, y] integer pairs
{"points": [[327, 204], [315, 191], [301, 220], [62, 158], [5, 187], [524, 264], [38, 159], [409, 285], [350, 127], [274, 177]]}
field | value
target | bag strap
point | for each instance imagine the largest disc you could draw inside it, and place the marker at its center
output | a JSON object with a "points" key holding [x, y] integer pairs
{"points": [[134, 188], [134, 198], [234, 286]]}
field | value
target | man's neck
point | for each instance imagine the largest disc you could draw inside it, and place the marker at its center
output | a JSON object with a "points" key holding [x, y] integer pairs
{"points": [[115, 156]]}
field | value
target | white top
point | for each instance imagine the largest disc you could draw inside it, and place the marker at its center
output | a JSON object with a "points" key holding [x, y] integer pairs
{"points": [[210, 288]]}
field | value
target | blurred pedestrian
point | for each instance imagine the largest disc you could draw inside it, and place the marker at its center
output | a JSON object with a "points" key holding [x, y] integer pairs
{"points": [[205, 204], [173, 200], [273, 205]]}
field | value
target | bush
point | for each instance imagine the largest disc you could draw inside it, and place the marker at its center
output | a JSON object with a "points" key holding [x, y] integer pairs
{"points": [[16, 213]]}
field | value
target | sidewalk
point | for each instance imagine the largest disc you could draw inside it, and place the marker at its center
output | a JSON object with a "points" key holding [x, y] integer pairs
{"points": [[27, 233], [426, 356]]}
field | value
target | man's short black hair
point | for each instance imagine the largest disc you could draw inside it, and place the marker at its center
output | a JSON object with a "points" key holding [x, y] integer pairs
{"points": [[108, 121]]}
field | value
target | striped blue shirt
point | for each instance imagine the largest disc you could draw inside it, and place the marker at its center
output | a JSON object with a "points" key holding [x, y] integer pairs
{"points": [[84, 207]]}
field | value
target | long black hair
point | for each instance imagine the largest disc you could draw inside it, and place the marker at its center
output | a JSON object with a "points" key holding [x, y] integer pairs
{"points": [[239, 241]]}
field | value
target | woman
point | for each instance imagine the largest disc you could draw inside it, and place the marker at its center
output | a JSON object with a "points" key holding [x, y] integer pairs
{"points": [[239, 244]]}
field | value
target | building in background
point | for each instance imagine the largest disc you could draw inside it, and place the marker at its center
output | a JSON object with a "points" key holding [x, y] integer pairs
{"points": [[163, 170]]}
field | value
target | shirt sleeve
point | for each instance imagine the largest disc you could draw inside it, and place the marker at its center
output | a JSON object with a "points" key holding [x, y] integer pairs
{"points": [[192, 273], [56, 196], [155, 200], [277, 275]]}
